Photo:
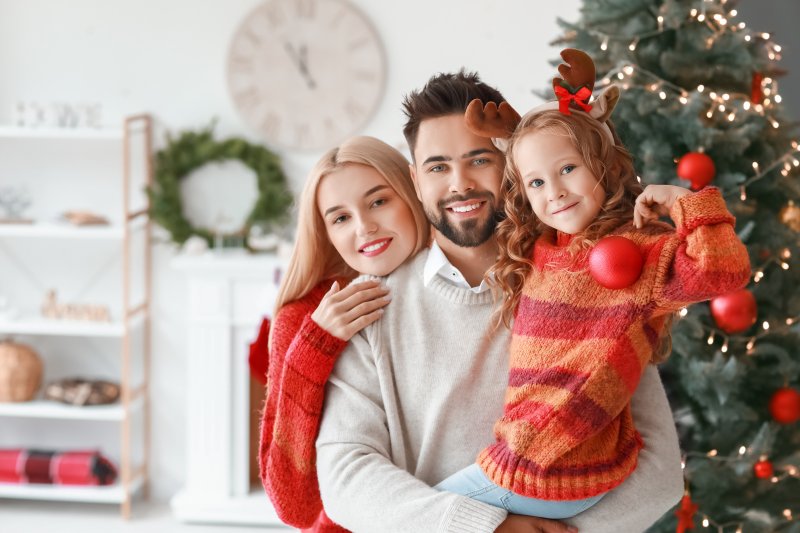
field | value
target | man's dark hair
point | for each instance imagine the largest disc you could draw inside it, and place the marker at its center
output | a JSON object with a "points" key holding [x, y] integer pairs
{"points": [[444, 94]]}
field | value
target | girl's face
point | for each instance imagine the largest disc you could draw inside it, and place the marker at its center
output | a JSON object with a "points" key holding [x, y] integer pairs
{"points": [[562, 190], [367, 222]]}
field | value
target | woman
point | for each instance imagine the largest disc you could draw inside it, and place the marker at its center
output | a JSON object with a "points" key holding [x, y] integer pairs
{"points": [[358, 214]]}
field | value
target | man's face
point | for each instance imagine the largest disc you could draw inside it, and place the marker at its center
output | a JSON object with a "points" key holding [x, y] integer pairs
{"points": [[457, 175]]}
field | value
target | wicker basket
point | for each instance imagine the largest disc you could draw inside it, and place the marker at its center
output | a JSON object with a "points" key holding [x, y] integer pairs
{"points": [[20, 372]]}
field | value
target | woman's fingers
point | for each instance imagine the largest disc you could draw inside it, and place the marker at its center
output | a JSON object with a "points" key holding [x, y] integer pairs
{"points": [[365, 295], [355, 288], [363, 321], [367, 307]]}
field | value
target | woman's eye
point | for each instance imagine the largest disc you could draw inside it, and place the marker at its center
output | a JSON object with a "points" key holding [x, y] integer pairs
{"points": [[340, 219], [567, 169], [536, 183], [379, 202]]}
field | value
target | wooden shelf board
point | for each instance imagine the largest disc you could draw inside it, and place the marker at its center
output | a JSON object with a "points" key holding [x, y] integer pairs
{"points": [[21, 132], [49, 409], [32, 325], [69, 493]]}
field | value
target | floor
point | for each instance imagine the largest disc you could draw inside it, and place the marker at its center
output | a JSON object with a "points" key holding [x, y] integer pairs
{"points": [[19, 516]]}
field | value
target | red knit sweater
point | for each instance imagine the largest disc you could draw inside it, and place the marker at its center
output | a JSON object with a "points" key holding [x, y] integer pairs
{"points": [[578, 351], [301, 359]]}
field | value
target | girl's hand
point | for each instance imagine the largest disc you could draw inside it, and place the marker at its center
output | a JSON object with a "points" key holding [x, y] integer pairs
{"points": [[656, 201], [345, 312]]}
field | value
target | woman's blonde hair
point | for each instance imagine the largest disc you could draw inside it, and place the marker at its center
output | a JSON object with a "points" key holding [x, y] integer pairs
{"points": [[314, 258], [610, 163]]}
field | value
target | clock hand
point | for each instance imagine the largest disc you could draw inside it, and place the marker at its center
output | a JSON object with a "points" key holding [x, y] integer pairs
{"points": [[300, 60]]}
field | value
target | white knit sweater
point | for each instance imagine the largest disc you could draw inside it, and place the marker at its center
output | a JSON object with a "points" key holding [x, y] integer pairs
{"points": [[413, 399]]}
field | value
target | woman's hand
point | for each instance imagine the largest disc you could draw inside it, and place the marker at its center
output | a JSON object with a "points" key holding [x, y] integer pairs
{"points": [[656, 201], [531, 524], [345, 312]]}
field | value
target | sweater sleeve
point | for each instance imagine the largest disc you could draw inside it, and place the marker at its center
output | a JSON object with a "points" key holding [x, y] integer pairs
{"points": [[291, 417], [361, 487], [703, 257], [657, 483]]}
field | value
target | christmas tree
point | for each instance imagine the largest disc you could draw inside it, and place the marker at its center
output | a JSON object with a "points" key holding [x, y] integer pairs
{"points": [[700, 106]]}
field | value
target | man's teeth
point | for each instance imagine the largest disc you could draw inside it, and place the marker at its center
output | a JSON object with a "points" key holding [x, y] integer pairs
{"points": [[466, 208], [373, 247]]}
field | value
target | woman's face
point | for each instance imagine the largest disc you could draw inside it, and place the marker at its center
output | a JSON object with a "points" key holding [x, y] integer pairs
{"points": [[367, 222]]}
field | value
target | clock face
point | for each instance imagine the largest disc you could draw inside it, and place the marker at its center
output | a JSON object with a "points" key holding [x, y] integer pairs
{"points": [[306, 74]]}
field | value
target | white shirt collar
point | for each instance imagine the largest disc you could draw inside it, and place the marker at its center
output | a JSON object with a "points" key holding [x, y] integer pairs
{"points": [[438, 264]]}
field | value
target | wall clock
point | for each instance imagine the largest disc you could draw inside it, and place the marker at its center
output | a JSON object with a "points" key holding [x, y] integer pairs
{"points": [[306, 74]]}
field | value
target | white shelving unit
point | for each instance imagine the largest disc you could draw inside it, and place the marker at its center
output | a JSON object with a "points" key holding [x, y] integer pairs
{"points": [[130, 329]]}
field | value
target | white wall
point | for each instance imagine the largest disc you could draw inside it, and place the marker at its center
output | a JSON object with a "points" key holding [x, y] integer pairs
{"points": [[167, 57]]}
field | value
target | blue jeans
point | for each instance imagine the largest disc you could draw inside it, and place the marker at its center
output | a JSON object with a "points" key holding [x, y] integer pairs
{"points": [[473, 483]]}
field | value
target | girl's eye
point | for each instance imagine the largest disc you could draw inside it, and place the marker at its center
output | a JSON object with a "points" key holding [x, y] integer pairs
{"points": [[340, 219], [567, 169], [536, 183]]}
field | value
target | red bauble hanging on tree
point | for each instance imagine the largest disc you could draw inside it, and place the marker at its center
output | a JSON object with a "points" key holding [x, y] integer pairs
{"points": [[615, 262], [734, 312], [696, 168], [756, 90], [785, 405], [763, 469]]}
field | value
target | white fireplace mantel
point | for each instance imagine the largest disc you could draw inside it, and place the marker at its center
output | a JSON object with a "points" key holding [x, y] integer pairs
{"points": [[227, 295]]}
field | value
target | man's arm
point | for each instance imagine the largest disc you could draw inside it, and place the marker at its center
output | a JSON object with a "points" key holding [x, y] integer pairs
{"points": [[657, 483], [361, 488]]}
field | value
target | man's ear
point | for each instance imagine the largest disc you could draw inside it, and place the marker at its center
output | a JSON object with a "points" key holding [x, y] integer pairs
{"points": [[413, 170]]}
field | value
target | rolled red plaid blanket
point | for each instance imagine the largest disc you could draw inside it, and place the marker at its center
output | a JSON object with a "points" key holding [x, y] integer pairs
{"points": [[56, 468]]}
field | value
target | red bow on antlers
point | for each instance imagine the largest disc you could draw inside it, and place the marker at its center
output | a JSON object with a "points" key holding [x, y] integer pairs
{"points": [[580, 97]]}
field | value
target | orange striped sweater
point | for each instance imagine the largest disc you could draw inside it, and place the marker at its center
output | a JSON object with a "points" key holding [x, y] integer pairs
{"points": [[578, 351]]}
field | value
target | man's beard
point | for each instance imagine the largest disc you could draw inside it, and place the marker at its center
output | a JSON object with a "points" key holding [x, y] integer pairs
{"points": [[468, 233]]}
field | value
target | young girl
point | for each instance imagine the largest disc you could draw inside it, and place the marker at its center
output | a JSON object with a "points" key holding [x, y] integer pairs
{"points": [[358, 213], [578, 349]]}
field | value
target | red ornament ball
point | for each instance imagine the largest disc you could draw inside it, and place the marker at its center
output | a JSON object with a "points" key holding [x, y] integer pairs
{"points": [[734, 312], [696, 168], [763, 469], [785, 405], [615, 262]]}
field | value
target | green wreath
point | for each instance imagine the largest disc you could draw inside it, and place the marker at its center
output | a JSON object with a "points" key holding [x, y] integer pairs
{"points": [[190, 151]]}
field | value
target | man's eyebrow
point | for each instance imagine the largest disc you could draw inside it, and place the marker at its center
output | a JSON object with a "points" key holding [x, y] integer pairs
{"points": [[371, 191], [436, 159], [479, 151]]}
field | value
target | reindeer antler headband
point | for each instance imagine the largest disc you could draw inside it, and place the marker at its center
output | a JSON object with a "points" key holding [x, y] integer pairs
{"points": [[572, 90]]}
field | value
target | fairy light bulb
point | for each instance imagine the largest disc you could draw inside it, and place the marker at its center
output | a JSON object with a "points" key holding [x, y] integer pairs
{"points": [[787, 513], [742, 193], [712, 453], [628, 69], [662, 95], [620, 75], [751, 344], [742, 25], [789, 321], [710, 339], [701, 88], [746, 106], [633, 44], [660, 23], [765, 36], [705, 521], [701, 17], [759, 274], [747, 37], [712, 95], [785, 265], [683, 312], [742, 450], [755, 166], [765, 325], [693, 13], [733, 13], [724, 348], [604, 44], [778, 98], [786, 253], [778, 48]]}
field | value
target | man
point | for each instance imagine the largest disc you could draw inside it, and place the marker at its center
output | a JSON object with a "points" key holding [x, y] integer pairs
{"points": [[414, 396]]}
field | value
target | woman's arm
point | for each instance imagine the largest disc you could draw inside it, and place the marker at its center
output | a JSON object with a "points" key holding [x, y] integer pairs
{"points": [[657, 483]]}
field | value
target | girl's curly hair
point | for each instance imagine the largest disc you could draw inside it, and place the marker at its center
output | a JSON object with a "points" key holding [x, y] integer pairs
{"points": [[611, 164]]}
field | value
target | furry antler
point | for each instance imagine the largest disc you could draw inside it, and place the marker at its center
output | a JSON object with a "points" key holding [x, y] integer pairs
{"points": [[493, 121]]}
